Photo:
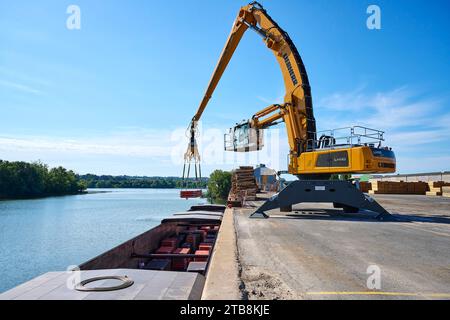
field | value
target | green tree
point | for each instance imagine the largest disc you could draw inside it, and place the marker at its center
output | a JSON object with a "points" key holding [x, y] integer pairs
{"points": [[22, 179], [219, 184]]}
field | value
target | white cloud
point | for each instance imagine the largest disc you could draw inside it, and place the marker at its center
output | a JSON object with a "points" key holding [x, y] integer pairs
{"points": [[417, 127], [140, 145], [139, 151], [415, 138], [24, 77], [414, 125], [20, 87], [272, 100], [345, 101], [423, 164], [407, 118]]}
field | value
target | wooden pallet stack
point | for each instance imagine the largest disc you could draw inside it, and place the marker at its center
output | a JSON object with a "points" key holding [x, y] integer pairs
{"points": [[391, 187], [435, 188], [243, 185], [365, 186], [446, 191]]}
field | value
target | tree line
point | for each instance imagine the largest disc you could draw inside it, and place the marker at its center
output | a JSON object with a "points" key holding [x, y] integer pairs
{"points": [[106, 181], [22, 180]]}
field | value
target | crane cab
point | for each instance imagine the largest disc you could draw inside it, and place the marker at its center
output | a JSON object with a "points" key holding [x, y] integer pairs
{"points": [[244, 138]]}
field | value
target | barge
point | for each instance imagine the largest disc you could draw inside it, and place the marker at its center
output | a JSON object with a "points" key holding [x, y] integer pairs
{"points": [[169, 261]]}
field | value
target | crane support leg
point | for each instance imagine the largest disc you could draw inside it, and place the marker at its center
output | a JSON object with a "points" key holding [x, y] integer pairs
{"points": [[343, 194]]}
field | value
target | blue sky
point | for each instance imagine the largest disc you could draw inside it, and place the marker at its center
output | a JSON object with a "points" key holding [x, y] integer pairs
{"points": [[115, 96]]}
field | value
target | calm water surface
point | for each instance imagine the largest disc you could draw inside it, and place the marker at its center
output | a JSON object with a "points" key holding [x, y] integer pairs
{"points": [[37, 236]]}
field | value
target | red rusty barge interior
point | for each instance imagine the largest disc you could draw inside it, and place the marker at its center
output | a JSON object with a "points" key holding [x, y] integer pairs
{"points": [[182, 242]]}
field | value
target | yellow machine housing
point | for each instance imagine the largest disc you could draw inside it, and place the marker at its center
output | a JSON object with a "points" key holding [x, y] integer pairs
{"points": [[346, 160]]}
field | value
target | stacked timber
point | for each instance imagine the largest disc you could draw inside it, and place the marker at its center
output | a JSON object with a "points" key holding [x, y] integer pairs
{"points": [[365, 186], [446, 191], [435, 188], [243, 185], [391, 187]]}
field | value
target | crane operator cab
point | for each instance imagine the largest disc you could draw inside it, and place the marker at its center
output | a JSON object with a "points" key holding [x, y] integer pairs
{"points": [[244, 138]]}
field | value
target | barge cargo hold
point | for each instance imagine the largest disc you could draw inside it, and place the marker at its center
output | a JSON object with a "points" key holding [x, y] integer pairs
{"points": [[169, 261]]}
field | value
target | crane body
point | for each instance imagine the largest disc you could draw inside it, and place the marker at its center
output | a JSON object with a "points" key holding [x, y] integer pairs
{"points": [[310, 158]]}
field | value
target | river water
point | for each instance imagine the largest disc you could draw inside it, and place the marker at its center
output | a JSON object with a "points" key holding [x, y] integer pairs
{"points": [[51, 234]]}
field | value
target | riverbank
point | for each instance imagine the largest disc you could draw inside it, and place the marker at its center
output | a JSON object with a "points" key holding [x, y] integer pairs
{"points": [[102, 190], [51, 195]]}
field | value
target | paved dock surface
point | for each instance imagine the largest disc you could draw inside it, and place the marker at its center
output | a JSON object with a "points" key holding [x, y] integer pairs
{"points": [[317, 252]]}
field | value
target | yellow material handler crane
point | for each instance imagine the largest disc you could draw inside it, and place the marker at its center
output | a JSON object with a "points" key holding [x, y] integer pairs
{"points": [[314, 156]]}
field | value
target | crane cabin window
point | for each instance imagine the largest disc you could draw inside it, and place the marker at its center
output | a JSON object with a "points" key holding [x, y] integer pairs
{"points": [[244, 138]]}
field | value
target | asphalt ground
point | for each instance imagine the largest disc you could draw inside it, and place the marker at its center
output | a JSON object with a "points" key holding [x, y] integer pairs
{"points": [[318, 252]]}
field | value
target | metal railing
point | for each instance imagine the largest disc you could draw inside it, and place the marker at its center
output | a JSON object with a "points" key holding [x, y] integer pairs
{"points": [[243, 138], [346, 137]]}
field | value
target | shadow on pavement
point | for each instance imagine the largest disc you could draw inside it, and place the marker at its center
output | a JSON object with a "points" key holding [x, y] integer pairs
{"points": [[363, 216]]}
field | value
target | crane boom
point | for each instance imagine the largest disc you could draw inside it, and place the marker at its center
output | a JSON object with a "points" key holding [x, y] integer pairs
{"points": [[298, 111], [233, 40]]}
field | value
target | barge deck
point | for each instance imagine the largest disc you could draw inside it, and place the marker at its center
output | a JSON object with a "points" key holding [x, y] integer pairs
{"points": [[148, 285], [169, 261]]}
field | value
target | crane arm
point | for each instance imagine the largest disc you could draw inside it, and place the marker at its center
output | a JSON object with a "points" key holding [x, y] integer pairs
{"points": [[192, 154], [233, 40], [297, 111]]}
